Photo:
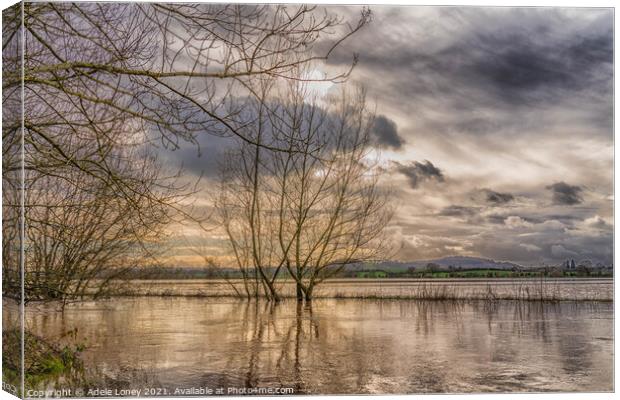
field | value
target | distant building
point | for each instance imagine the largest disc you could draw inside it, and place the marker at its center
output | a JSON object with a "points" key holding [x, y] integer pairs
{"points": [[570, 265]]}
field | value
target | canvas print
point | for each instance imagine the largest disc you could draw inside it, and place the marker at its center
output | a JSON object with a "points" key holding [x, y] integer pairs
{"points": [[207, 199]]}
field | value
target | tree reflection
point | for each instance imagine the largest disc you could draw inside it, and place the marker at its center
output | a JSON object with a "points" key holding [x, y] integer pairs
{"points": [[347, 346]]}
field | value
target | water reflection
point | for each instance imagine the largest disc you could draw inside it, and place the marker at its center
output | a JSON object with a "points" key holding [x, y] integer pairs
{"points": [[343, 346]]}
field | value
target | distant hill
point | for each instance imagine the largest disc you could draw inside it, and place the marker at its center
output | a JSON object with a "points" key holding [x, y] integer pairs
{"points": [[458, 262]]}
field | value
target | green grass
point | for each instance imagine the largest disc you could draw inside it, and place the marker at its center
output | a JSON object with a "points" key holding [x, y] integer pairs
{"points": [[45, 363], [371, 274], [492, 273]]}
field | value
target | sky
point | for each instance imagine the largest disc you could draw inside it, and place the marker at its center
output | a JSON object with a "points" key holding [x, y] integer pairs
{"points": [[495, 130]]}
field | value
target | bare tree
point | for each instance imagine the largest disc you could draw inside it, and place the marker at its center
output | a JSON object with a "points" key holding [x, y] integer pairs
{"points": [[102, 84], [11, 158], [82, 238], [315, 207], [170, 69], [201, 249]]}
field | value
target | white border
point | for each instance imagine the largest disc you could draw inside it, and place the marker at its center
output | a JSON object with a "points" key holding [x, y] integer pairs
{"points": [[513, 3]]}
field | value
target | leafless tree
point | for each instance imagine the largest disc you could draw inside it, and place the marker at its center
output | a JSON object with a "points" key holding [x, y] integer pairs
{"points": [[11, 158], [201, 249], [170, 69], [82, 238], [103, 84], [313, 208]]}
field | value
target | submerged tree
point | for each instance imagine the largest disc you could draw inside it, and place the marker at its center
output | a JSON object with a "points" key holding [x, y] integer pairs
{"points": [[11, 159], [314, 208], [82, 239]]}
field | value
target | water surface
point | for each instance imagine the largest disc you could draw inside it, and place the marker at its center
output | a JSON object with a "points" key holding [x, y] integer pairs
{"points": [[342, 345], [459, 288]]}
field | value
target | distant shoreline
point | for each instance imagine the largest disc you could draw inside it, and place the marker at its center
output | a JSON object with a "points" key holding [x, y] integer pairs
{"points": [[399, 279], [444, 289], [527, 289]]}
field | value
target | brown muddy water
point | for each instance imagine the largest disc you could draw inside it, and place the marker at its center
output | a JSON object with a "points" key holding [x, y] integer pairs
{"points": [[496, 288], [177, 345]]}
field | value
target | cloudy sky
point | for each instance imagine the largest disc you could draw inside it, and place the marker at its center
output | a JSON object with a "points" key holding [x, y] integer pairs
{"points": [[495, 128]]}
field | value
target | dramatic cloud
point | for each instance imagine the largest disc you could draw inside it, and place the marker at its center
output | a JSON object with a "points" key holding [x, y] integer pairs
{"points": [[417, 172], [516, 222], [530, 247], [458, 211], [497, 197], [498, 58], [386, 133], [596, 222], [559, 250], [523, 67], [514, 106], [565, 194], [203, 158]]}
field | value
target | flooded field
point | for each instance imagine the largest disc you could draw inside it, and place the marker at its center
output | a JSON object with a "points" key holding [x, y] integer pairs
{"points": [[183, 344], [524, 289]]}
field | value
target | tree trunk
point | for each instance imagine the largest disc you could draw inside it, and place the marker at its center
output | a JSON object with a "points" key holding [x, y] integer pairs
{"points": [[270, 290], [300, 292], [309, 293], [274, 294]]}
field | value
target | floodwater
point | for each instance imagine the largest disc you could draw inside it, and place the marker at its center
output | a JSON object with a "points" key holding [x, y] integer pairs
{"points": [[181, 345], [496, 288]]}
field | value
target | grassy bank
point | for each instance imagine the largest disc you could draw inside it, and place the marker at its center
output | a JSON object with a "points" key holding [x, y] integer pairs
{"points": [[46, 365], [475, 273]]}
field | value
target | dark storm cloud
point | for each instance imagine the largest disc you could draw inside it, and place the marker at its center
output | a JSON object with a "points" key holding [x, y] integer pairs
{"points": [[385, 133], [564, 218], [459, 211], [520, 67], [418, 172], [202, 158], [484, 92], [496, 58], [205, 153], [499, 98], [496, 219], [565, 194], [497, 198]]}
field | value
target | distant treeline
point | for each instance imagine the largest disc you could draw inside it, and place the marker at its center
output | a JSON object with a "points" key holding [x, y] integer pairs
{"points": [[476, 273], [164, 272]]}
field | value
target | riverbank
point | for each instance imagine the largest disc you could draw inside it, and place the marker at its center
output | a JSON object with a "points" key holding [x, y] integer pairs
{"points": [[45, 361]]}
